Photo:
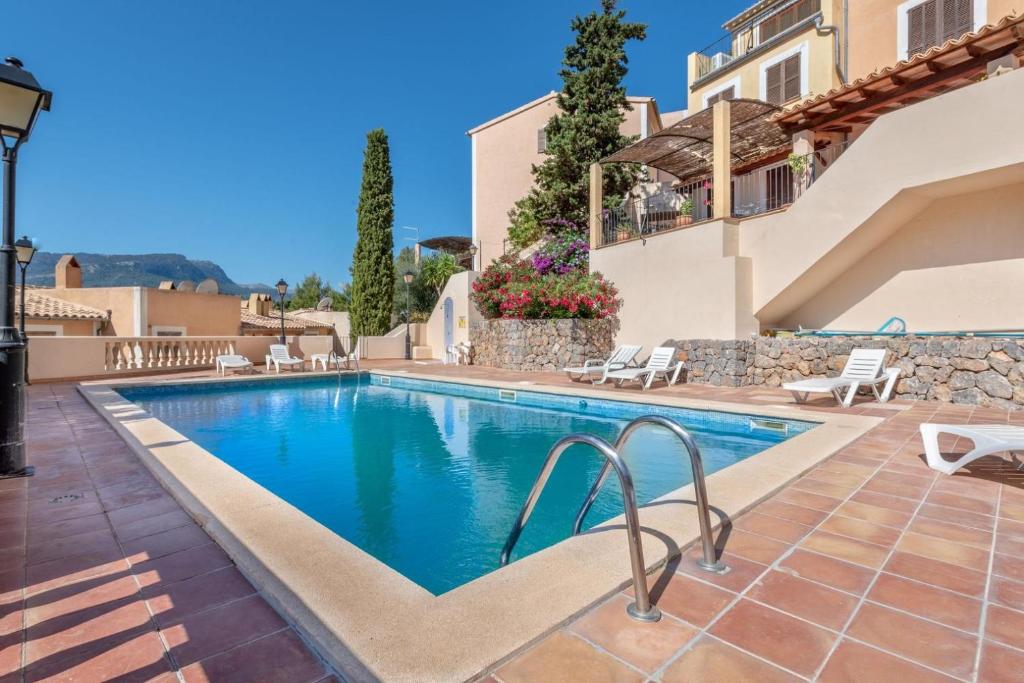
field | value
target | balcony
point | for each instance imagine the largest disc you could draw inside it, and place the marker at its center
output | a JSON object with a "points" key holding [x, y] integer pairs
{"points": [[770, 187]]}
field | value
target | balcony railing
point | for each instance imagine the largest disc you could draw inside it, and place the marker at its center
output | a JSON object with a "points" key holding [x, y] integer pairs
{"points": [[768, 188], [719, 53], [778, 185]]}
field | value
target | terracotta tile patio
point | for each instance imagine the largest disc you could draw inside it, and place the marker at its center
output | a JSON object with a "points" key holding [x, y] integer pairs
{"points": [[871, 567]]}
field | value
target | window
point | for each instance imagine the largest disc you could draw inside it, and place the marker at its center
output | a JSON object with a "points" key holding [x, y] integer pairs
{"points": [[542, 140], [782, 80], [167, 331], [727, 94], [787, 18], [933, 22]]}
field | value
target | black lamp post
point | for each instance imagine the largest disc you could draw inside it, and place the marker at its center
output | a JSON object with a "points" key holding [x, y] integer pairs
{"points": [[472, 255], [282, 289], [21, 100], [408, 277], [24, 251]]}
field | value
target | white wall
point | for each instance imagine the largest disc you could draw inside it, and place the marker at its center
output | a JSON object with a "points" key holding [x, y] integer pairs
{"points": [[458, 288]]}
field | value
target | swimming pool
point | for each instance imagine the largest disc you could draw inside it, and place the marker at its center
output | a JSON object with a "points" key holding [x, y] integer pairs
{"points": [[428, 476]]}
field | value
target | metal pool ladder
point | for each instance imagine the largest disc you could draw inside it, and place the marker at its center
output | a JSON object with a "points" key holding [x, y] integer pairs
{"points": [[708, 561], [641, 609]]}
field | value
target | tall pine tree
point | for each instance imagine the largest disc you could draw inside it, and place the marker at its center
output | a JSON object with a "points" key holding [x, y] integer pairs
{"points": [[373, 278], [592, 105]]}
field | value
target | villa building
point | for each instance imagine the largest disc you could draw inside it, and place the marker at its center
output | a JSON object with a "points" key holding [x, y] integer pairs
{"points": [[917, 217], [781, 51], [505, 149], [71, 309]]}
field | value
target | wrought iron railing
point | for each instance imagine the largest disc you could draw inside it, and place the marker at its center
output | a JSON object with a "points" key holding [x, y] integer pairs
{"points": [[768, 188], [778, 185]]}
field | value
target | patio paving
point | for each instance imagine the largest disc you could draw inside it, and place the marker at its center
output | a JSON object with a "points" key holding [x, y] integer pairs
{"points": [[869, 567]]}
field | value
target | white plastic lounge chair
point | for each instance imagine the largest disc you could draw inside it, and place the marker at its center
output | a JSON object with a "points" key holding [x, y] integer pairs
{"points": [[863, 368], [596, 370], [232, 362], [326, 359], [279, 356], [661, 363], [987, 439]]}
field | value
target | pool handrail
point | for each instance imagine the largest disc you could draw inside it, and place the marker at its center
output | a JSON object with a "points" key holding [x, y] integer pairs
{"points": [[641, 609], [709, 561]]}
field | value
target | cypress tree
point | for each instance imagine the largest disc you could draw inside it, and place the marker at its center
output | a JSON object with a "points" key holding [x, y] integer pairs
{"points": [[373, 278], [592, 105]]}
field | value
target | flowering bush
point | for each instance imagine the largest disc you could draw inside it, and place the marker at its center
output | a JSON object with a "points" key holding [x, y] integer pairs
{"points": [[562, 254], [512, 288]]}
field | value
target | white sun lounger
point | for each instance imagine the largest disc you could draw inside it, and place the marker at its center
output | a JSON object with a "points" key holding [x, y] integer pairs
{"points": [[662, 363], [279, 356], [596, 370], [863, 368], [227, 362], [987, 439]]}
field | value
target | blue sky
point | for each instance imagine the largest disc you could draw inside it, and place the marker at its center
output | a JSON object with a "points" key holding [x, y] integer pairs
{"points": [[233, 131]]}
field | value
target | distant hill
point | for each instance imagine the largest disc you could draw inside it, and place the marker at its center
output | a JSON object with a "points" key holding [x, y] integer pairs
{"points": [[137, 270]]}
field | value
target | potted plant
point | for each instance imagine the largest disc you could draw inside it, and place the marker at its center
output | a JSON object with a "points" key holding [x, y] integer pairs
{"points": [[685, 212]]}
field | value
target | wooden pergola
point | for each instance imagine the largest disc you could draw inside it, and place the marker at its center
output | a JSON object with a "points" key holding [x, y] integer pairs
{"points": [[686, 149], [940, 69]]}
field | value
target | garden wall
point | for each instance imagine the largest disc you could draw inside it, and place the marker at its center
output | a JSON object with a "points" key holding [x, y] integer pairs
{"points": [[540, 345], [971, 370]]}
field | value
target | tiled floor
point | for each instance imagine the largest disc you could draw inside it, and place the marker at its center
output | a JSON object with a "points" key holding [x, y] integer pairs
{"points": [[104, 577], [869, 568]]}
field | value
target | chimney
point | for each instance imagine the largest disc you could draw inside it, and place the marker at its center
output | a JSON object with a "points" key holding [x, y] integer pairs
{"points": [[68, 274]]}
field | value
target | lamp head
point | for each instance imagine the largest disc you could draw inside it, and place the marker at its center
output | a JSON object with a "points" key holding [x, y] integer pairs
{"points": [[409, 276], [25, 249], [21, 100], [282, 287]]}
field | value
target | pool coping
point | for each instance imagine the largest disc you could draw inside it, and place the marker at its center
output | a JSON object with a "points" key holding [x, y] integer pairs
{"points": [[372, 623]]}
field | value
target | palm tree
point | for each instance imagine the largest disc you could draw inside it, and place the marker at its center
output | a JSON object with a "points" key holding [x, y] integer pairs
{"points": [[437, 269]]}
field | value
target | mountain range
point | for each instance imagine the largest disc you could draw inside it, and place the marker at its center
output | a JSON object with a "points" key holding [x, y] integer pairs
{"points": [[138, 270]]}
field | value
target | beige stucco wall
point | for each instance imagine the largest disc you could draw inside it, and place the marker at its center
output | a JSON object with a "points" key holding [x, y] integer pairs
{"points": [[821, 74], [200, 314], [921, 218], [118, 300], [465, 313], [903, 162], [72, 328], [933, 273], [503, 156], [873, 31], [685, 283]]}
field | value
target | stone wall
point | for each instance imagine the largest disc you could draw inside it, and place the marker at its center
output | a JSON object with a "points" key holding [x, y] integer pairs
{"points": [[540, 345], [971, 370]]}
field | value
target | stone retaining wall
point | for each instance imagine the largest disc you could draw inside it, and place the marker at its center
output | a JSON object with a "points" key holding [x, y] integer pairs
{"points": [[540, 345], [972, 370]]}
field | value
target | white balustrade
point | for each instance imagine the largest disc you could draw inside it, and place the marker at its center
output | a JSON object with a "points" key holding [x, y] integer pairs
{"points": [[132, 354]]}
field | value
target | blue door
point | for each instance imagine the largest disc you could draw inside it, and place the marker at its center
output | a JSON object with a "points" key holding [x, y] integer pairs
{"points": [[449, 322]]}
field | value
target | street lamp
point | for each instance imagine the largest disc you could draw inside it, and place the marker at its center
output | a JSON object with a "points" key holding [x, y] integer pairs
{"points": [[472, 255], [21, 100], [24, 251], [408, 277], [282, 289]]}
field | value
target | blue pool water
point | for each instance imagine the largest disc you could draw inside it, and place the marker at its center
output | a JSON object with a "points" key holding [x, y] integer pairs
{"points": [[428, 476]]}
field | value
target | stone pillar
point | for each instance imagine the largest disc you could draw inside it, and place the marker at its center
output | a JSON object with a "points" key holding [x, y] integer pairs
{"points": [[596, 204], [722, 158]]}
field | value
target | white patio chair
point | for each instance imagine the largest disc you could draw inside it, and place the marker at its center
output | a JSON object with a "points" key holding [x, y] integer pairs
{"points": [[662, 363], [229, 361], [596, 370], [863, 368], [279, 356], [987, 439]]}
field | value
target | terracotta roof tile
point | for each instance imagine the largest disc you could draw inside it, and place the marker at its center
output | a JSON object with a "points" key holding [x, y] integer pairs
{"points": [[42, 306], [1012, 22], [273, 322]]}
